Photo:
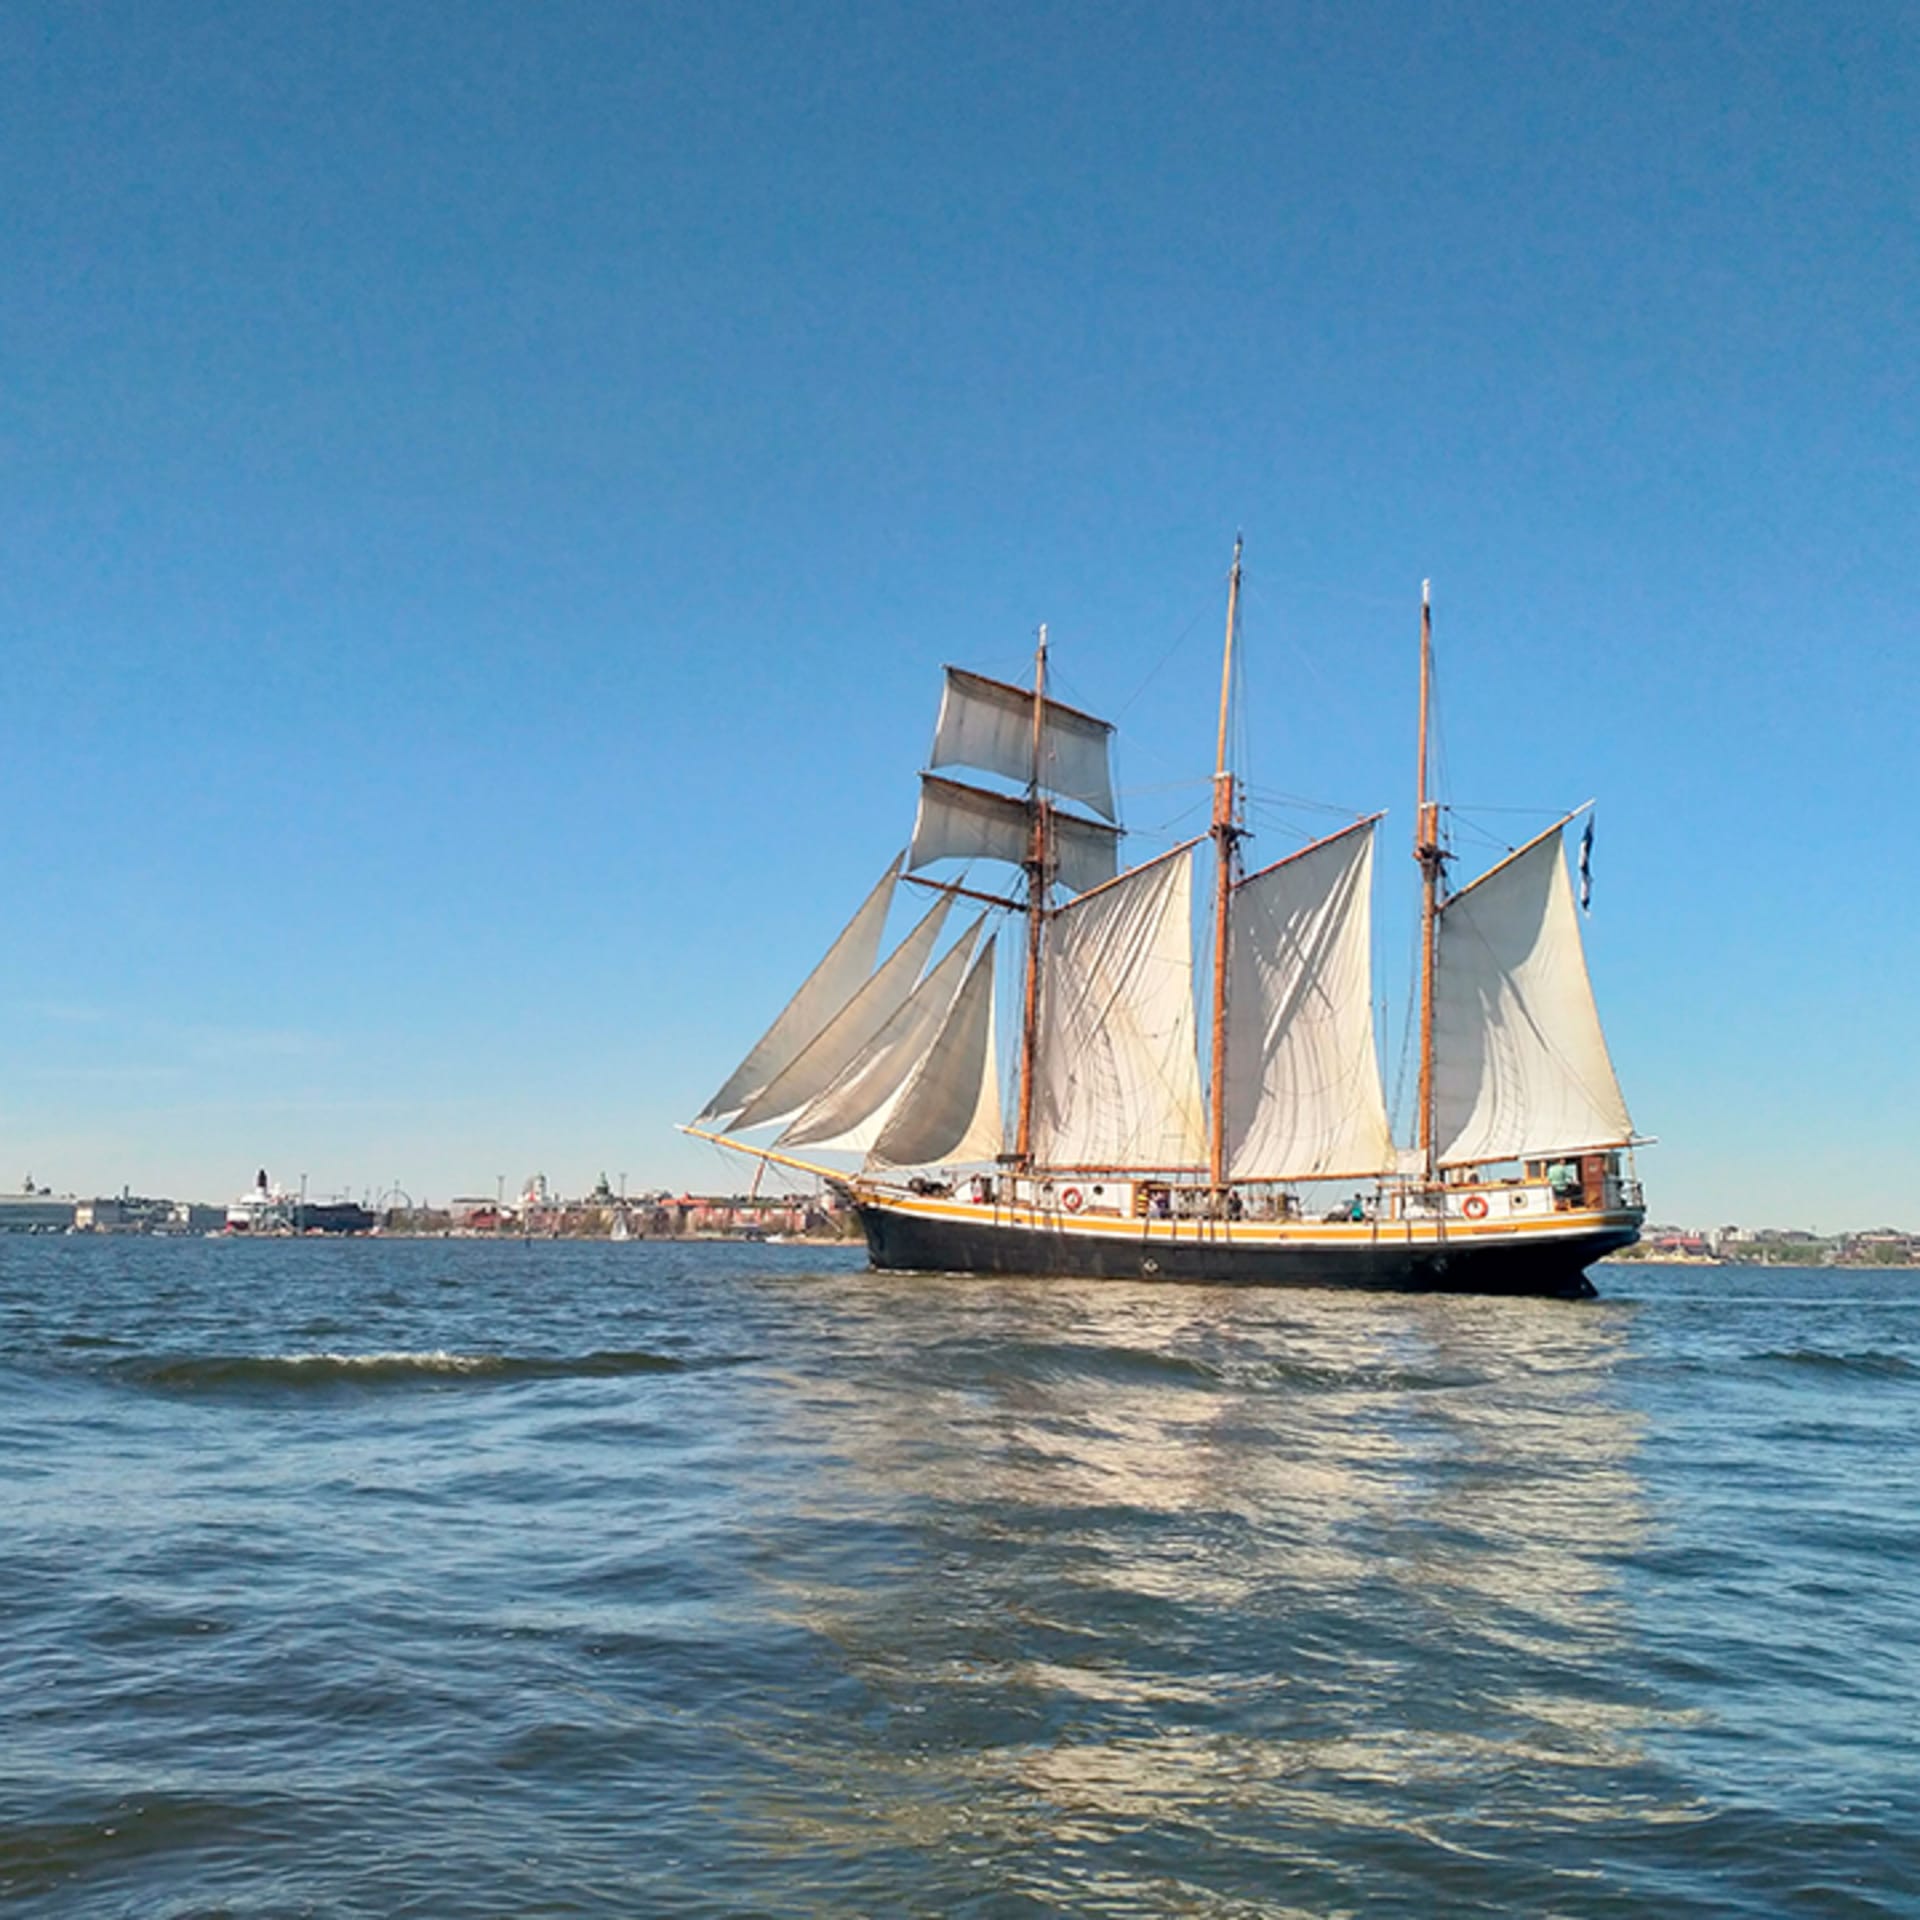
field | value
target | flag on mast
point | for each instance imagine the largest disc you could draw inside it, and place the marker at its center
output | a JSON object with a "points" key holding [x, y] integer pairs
{"points": [[1586, 868]]}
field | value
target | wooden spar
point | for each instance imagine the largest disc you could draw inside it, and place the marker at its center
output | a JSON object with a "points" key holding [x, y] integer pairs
{"points": [[1036, 911], [1506, 860], [834, 1174], [1426, 849], [985, 800], [966, 678], [1300, 853], [1093, 893], [966, 893], [1225, 837]]}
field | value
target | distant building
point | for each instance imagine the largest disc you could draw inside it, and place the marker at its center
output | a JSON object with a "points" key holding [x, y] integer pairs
{"points": [[137, 1213]]}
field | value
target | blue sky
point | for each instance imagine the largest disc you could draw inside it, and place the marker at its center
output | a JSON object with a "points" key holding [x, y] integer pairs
{"points": [[488, 491]]}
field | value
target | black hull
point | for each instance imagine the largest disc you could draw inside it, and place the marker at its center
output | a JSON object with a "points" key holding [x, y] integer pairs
{"points": [[1552, 1268], [332, 1216]]}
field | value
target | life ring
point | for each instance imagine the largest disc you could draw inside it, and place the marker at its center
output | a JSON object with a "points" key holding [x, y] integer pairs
{"points": [[1070, 1199], [1474, 1206]]}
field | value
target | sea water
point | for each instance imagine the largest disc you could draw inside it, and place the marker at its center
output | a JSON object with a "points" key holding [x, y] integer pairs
{"points": [[503, 1578]]}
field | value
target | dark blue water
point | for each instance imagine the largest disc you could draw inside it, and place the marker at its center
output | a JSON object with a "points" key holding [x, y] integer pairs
{"points": [[459, 1579]]}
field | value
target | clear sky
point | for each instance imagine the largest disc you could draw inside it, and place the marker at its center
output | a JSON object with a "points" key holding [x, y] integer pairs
{"points": [[489, 488]]}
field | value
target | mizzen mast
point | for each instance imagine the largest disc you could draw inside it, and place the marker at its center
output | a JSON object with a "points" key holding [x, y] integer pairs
{"points": [[1036, 869], [1426, 850], [1226, 837]]}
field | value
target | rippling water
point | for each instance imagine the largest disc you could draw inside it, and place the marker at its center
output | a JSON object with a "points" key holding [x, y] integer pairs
{"points": [[467, 1579]]}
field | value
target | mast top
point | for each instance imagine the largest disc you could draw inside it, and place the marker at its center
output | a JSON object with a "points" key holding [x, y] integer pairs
{"points": [[1222, 775], [1226, 837]]}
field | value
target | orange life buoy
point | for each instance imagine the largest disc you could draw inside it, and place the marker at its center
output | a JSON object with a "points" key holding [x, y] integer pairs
{"points": [[1070, 1199], [1474, 1207]]}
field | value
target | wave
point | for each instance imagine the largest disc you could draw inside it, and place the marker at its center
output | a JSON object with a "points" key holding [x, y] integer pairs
{"points": [[1134, 1366], [1873, 1362], [1145, 1366], [49, 1855], [213, 1371]]}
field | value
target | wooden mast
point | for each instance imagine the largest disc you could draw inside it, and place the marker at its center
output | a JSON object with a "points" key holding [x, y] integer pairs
{"points": [[1225, 837], [1036, 910], [1426, 850]]}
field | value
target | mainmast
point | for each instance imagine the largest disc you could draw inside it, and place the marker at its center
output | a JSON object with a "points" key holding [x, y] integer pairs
{"points": [[1225, 838], [1036, 868], [1426, 850]]}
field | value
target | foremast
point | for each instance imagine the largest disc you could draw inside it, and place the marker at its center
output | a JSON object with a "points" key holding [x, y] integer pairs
{"points": [[1226, 839], [1036, 872]]}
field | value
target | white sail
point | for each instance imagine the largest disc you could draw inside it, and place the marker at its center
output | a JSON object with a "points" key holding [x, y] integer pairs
{"points": [[825, 991], [949, 1112], [1303, 1098], [1116, 1077], [850, 1114], [1520, 1066], [879, 998], [959, 822], [988, 724]]}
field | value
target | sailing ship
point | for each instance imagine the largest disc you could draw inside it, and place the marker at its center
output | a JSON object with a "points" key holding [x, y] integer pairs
{"points": [[1122, 1163]]}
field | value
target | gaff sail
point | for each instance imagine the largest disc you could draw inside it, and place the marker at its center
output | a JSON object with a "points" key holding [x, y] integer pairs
{"points": [[1117, 1076], [1303, 1080], [1520, 1064]]}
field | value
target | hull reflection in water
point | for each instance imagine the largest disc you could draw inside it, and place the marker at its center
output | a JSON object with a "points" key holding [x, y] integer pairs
{"points": [[1231, 1567]]}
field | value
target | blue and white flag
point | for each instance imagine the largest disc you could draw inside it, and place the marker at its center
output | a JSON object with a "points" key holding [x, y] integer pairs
{"points": [[1586, 868]]}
